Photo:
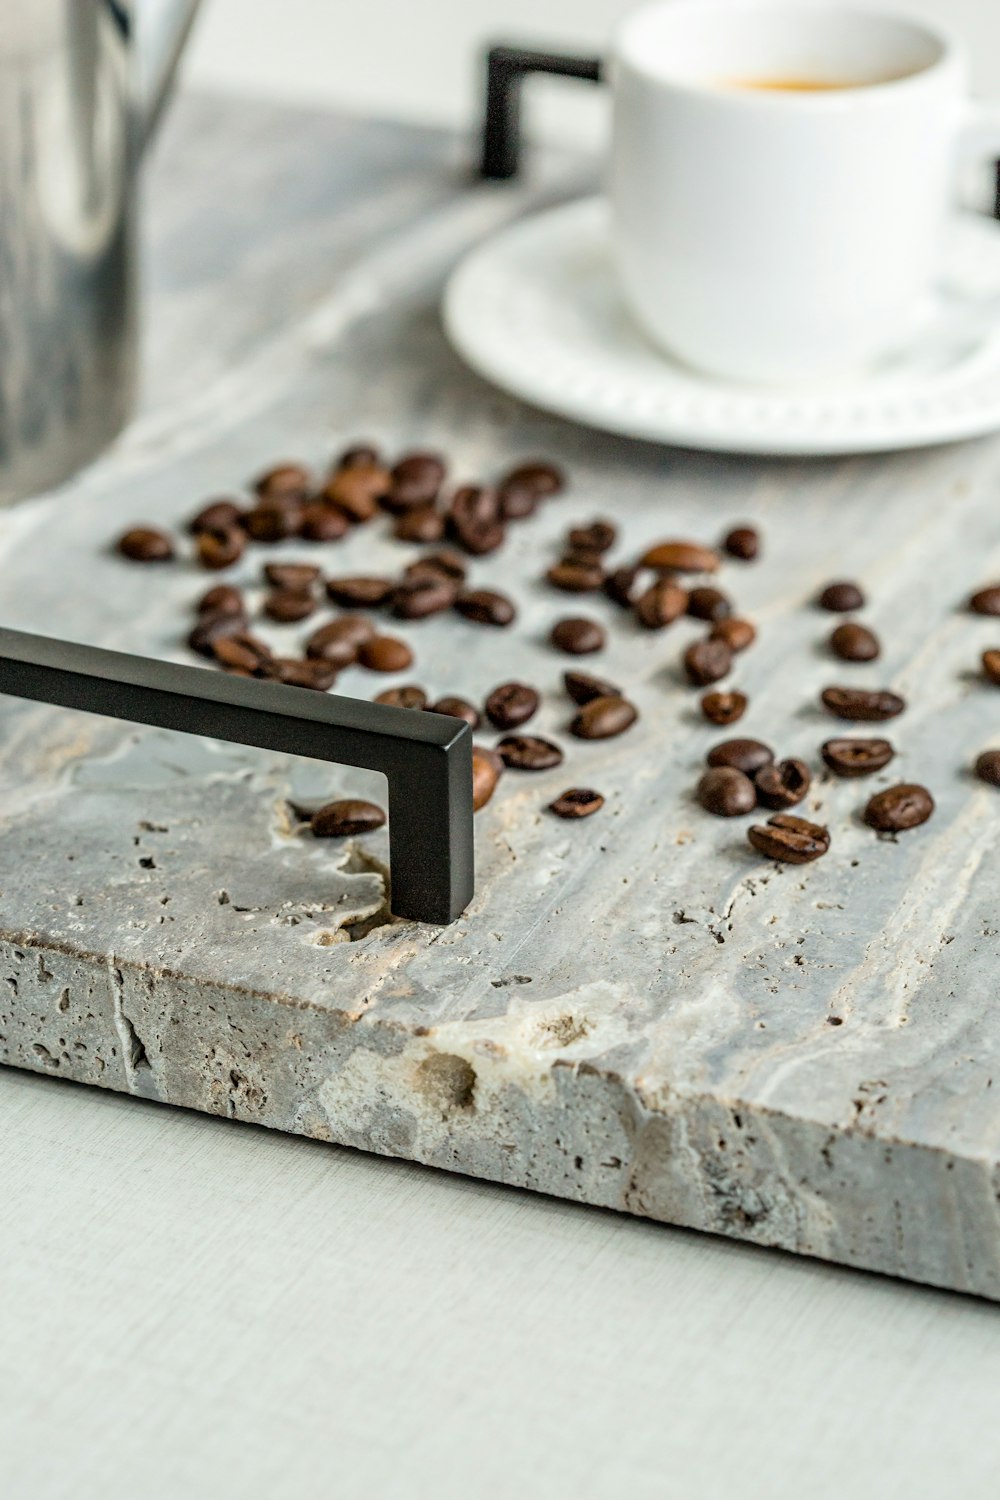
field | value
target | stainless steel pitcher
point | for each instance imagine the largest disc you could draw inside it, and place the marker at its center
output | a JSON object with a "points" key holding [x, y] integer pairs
{"points": [[75, 113]]}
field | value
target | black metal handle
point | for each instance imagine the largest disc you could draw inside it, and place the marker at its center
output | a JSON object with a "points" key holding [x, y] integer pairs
{"points": [[506, 68], [427, 758]]}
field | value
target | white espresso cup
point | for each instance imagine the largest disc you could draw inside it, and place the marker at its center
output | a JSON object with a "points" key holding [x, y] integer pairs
{"points": [[780, 179]]}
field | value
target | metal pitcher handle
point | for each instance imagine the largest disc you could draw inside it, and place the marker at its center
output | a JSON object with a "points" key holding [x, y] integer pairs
{"points": [[163, 31]]}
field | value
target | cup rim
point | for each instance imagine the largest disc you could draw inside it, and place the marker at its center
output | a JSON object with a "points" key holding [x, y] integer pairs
{"points": [[950, 53]]}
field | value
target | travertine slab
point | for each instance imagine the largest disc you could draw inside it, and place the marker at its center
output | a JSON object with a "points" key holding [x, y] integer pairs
{"points": [[635, 1011]]}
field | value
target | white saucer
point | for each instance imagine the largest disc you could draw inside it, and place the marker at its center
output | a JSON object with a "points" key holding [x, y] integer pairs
{"points": [[536, 310]]}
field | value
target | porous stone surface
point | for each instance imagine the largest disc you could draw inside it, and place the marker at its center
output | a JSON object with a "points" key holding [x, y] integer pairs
{"points": [[636, 1011]]}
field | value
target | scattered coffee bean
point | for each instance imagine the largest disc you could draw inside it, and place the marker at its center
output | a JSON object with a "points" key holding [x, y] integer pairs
{"points": [[284, 481], [724, 708], [986, 601], [240, 651], [487, 768], [358, 491], [857, 704], [457, 708], [707, 661], [681, 557], [415, 598], [603, 718], [841, 598], [485, 607], [988, 767], [543, 478], [421, 523], [857, 757], [899, 807], [708, 604], [517, 501], [574, 576], [217, 515], [359, 592], [726, 792], [661, 604], [792, 840], [991, 665], [361, 455], [474, 519], [528, 752], [737, 634], [338, 641], [447, 563], [619, 585], [385, 653], [577, 802], [220, 549], [416, 481], [222, 599], [598, 536], [853, 642], [782, 783], [299, 578], [146, 544], [583, 688], [321, 523], [211, 628], [578, 637], [743, 755], [742, 542], [346, 819], [287, 606], [271, 522], [511, 705], [409, 696], [317, 675]]}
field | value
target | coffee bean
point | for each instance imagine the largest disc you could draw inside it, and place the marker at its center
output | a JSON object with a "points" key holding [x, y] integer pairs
{"points": [[857, 704], [986, 601], [220, 549], [576, 576], [899, 808], [421, 523], [619, 586], [417, 598], [681, 557], [146, 544], [211, 628], [743, 755], [708, 604], [583, 688], [782, 783], [240, 651], [517, 501], [385, 653], [447, 563], [742, 542], [297, 577], [737, 634], [346, 819], [707, 661], [857, 757], [661, 604], [288, 606], [410, 696], [474, 519], [222, 599], [841, 598], [358, 491], [792, 840], [543, 478], [283, 481], [487, 768], [988, 767], [359, 592], [603, 718], [457, 708], [416, 481], [577, 802], [338, 641], [511, 704], [272, 522], [598, 536], [360, 455], [217, 515], [724, 708], [578, 637], [991, 665], [853, 642], [528, 752], [317, 675], [321, 523], [485, 607], [726, 792]]}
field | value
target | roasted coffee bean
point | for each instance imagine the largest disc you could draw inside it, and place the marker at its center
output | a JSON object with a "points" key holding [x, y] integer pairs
{"points": [[457, 708], [619, 585], [447, 563], [603, 718], [583, 688], [221, 599], [724, 708], [899, 808], [792, 840], [743, 755], [708, 604], [578, 637], [283, 481], [856, 757], [737, 634], [485, 607], [988, 767], [358, 491], [421, 523], [991, 665], [385, 653], [346, 819], [409, 696], [317, 675], [986, 601], [241, 651], [782, 783], [543, 478], [217, 515], [511, 704], [576, 576], [857, 704], [661, 604], [598, 536], [474, 519], [272, 522], [742, 542], [211, 628], [517, 501], [416, 598], [220, 549], [146, 544], [287, 606], [841, 598], [416, 480], [726, 792], [487, 768], [321, 523], [577, 802], [298, 577], [707, 661], [528, 752], [338, 641], [359, 592], [681, 557], [853, 642], [360, 455]]}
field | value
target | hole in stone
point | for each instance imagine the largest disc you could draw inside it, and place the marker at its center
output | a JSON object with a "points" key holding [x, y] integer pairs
{"points": [[448, 1082]]}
